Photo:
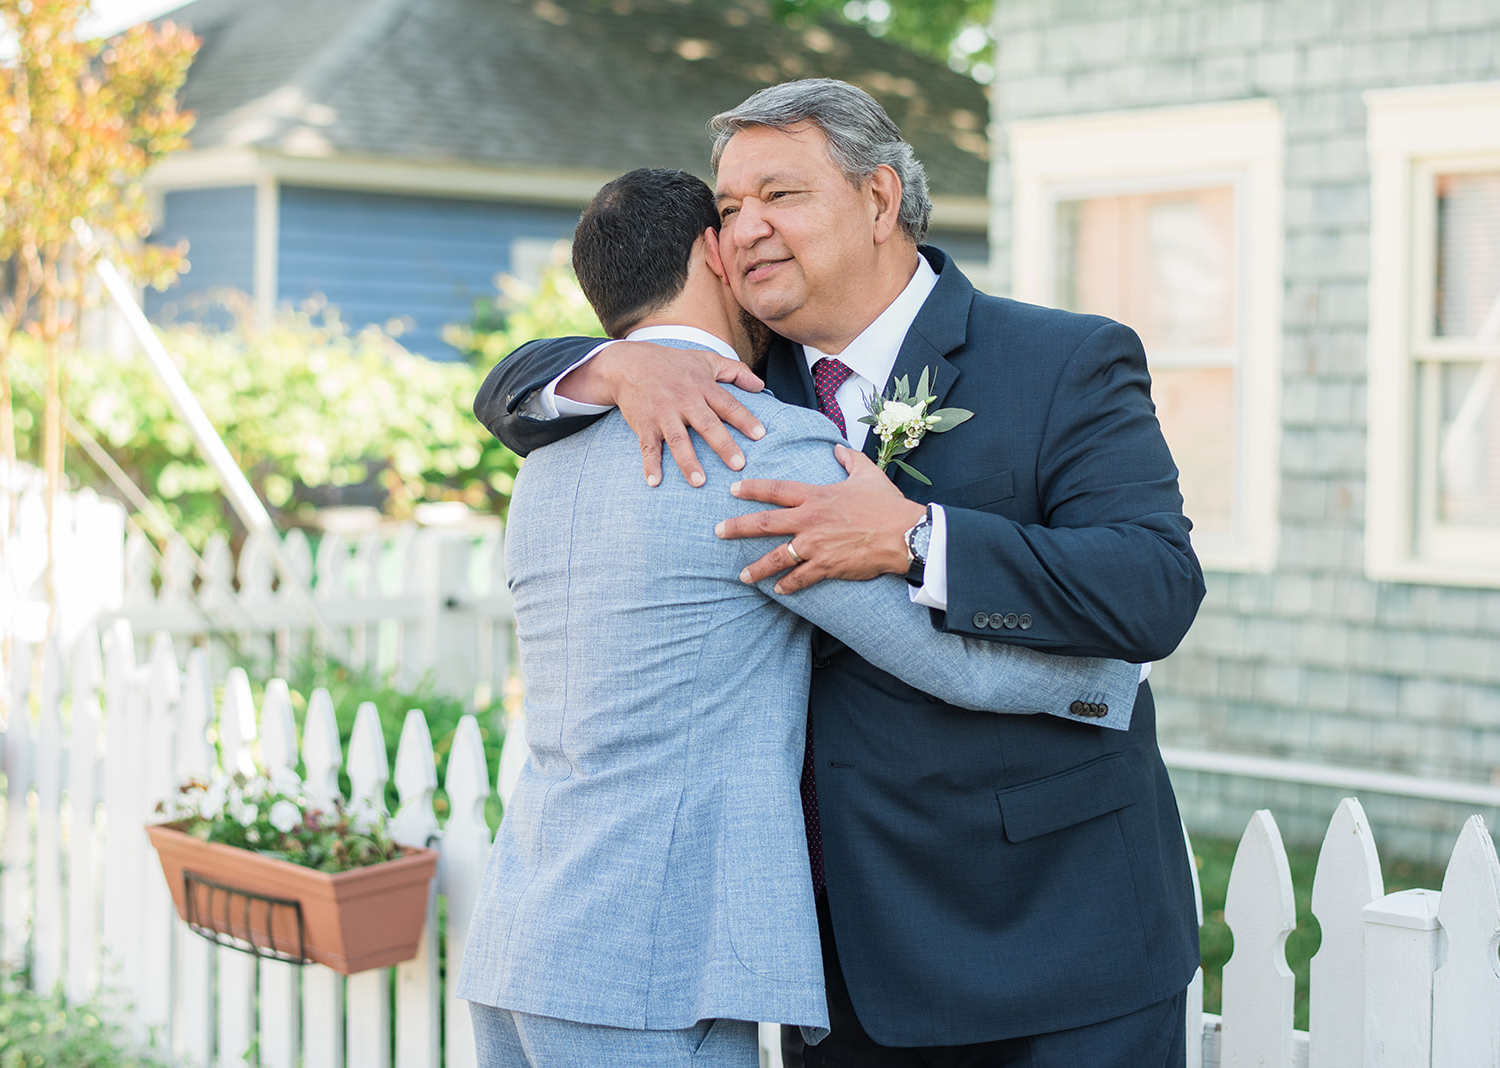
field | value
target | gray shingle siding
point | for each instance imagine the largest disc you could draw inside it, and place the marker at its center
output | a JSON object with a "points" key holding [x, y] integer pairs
{"points": [[1312, 661]]}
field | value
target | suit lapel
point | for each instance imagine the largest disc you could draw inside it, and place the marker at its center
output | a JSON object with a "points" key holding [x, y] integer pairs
{"points": [[787, 376], [940, 328]]}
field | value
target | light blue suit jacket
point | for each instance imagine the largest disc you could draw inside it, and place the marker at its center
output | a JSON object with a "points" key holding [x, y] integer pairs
{"points": [[651, 869]]}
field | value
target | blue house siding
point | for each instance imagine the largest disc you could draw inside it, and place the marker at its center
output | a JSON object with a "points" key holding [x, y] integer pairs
{"points": [[423, 261], [219, 225]]}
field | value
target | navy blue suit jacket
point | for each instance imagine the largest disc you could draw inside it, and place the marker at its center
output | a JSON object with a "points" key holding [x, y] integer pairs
{"points": [[993, 877]]}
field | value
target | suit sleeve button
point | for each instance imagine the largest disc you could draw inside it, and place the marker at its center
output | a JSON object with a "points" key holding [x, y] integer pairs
{"points": [[1103, 710], [981, 620], [997, 621], [1026, 621], [1078, 708], [1011, 621]]}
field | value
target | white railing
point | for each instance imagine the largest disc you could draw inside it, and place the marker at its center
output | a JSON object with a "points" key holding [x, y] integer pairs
{"points": [[1404, 980]]}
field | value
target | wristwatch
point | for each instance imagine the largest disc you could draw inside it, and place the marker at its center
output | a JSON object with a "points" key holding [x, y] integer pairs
{"points": [[917, 540]]}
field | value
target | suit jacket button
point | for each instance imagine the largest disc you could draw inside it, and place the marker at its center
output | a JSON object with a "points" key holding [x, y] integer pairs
{"points": [[1078, 708], [820, 661], [1025, 620], [997, 621], [981, 620], [1102, 710], [1011, 620]]}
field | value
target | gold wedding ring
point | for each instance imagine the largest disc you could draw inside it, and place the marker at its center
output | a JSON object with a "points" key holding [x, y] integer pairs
{"points": [[793, 553]]}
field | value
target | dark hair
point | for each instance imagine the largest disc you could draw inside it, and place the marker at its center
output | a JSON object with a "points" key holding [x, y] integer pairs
{"points": [[861, 137], [632, 245]]}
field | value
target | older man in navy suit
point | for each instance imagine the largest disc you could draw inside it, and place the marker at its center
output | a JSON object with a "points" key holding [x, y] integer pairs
{"points": [[999, 891], [648, 897]]}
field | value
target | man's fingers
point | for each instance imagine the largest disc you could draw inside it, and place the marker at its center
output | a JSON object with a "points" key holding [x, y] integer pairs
{"points": [[760, 525], [852, 460], [772, 491], [718, 438], [680, 442], [733, 371], [651, 461], [774, 562], [731, 411]]}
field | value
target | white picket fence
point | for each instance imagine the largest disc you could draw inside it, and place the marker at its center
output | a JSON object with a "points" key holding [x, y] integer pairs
{"points": [[1405, 980], [406, 602]]}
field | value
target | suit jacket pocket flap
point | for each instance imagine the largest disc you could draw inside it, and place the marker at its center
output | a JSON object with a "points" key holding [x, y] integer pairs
{"points": [[1065, 799], [980, 494]]}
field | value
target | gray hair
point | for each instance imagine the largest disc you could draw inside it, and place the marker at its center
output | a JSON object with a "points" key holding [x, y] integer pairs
{"points": [[861, 137]]}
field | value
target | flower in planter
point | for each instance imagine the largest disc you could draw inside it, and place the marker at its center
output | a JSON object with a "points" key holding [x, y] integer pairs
{"points": [[273, 816]]}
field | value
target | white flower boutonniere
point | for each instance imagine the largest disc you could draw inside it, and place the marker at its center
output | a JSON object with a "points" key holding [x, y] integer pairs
{"points": [[902, 419]]}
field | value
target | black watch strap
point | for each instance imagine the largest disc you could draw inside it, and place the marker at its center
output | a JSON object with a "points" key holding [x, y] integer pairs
{"points": [[917, 540]]}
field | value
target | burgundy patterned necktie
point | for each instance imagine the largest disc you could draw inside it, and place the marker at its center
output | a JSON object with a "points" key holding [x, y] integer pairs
{"points": [[828, 375]]}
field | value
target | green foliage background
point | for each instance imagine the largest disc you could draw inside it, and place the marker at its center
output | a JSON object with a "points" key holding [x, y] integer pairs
{"points": [[302, 403]]}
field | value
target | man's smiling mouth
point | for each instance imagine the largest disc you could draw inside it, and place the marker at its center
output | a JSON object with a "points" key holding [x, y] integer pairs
{"points": [[760, 268]]}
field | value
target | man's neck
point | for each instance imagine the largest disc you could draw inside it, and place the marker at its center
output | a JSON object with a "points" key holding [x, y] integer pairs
{"points": [[892, 275]]}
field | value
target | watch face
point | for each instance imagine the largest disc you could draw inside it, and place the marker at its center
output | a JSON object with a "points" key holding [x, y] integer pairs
{"points": [[918, 538]]}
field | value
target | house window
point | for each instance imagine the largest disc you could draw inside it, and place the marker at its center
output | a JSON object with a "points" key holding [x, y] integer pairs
{"points": [[1434, 416], [1169, 221]]}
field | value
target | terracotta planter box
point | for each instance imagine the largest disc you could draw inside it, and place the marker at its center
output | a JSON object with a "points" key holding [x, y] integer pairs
{"points": [[351, 921]]}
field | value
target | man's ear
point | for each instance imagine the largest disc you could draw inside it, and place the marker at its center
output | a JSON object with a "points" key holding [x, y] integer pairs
{"points": [[885, 192], [714, 256]]}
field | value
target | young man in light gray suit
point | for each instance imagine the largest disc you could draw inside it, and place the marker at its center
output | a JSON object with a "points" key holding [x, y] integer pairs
{"points": [[648, 896]]}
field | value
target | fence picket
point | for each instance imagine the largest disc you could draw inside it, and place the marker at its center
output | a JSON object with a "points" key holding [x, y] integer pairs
{"points": [[280, 1033], [124, 750], [1347, 879], [46, 772], [157, 921], [417, 1001], [466, 850], [368, 1038], [1195, 988], [1259, 988], [15, 874], [83, 797], [195, 758], [237, 971], [1466, 989], [322, 988], [294, 639]]}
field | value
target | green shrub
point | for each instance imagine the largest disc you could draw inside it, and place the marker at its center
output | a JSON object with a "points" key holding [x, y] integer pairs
{"points": [[301, 404], [44, 1031]]}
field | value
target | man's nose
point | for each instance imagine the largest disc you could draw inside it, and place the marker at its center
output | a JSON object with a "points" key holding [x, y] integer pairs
{"points": [[750, 224]]}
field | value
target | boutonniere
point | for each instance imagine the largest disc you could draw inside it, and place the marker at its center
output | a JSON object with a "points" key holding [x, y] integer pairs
{"points": [[902, 419]]}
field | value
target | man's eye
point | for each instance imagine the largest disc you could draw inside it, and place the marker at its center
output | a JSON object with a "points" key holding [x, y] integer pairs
{"points": [[725, 213]]}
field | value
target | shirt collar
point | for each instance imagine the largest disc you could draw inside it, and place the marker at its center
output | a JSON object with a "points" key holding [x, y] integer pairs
{"points": [[685, 333], [873, 353]]}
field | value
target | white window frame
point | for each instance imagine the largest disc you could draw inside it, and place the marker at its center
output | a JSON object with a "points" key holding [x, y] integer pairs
{"points": [[1415, 134], [1238, 143]]}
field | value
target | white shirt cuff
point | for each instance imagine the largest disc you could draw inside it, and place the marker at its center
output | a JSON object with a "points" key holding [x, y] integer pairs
{"points": [[933, 593], [546, 403]]}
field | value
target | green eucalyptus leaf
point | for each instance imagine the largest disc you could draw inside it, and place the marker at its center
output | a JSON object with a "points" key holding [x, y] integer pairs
{"points": [[913, 472]]}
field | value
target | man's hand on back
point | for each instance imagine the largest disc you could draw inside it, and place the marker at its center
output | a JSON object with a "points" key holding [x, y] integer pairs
{"points": [[853, 529], [663, 393]]}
